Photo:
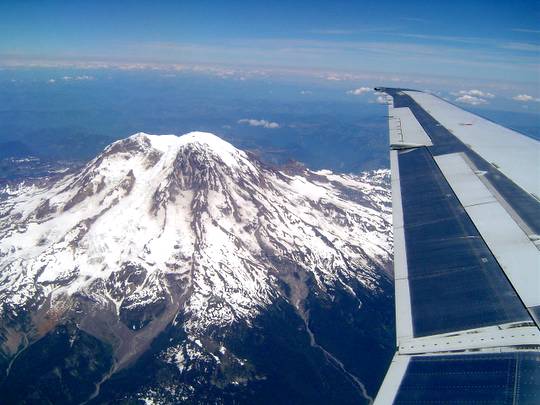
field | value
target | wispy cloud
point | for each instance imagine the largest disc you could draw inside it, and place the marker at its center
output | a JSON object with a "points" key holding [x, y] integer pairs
{"points": [[332, 32], [521, 46], [524, 98], [258, 123], [415, 19], [356, 30], [447, 38], [527, 30], [334, 77], [480, 42]]}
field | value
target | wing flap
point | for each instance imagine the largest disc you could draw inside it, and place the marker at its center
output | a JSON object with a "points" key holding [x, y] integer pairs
{"points": [[405, 130], [517, 255], [449, 265]]}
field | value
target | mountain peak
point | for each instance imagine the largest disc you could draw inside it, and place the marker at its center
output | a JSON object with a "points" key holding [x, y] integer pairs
{"points": [[193, 141], [163, 225], [164, 143]]}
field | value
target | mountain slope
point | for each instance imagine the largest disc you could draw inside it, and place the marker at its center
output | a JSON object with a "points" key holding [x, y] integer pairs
{"points": [[191, 238]]}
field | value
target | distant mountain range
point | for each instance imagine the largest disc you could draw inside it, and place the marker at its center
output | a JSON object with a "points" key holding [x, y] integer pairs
{"points": [[181, 269]]}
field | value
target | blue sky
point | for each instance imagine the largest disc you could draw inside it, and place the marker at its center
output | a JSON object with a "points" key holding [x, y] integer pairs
{"points": [[493, 43]]}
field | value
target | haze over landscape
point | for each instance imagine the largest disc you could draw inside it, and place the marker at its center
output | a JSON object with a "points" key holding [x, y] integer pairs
{"points": [[270, 77]]}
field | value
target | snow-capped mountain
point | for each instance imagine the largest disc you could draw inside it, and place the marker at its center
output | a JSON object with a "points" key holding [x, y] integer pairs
{"points": [[165, 233]]}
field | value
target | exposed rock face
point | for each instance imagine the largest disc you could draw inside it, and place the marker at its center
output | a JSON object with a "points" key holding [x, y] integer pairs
{"points": [[190, 238]]}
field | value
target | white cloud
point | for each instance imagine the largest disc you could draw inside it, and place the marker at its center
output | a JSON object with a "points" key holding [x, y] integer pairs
{"points": [[475, 93], [525, 98], [51, 81], [304, 92], [381, 100], [472, 100], [258, 123], [359, 91]]}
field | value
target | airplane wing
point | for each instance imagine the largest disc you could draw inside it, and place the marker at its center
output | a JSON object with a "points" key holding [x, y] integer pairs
{"points": [[466, 211]]}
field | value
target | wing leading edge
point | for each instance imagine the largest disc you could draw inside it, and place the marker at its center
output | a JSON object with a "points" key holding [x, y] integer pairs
{"points": [[466, 212]]}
